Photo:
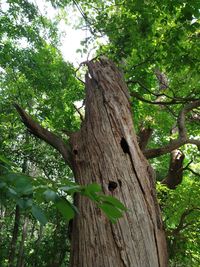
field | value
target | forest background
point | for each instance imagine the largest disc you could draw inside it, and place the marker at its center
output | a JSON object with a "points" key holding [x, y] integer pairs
{"points": [[156, 45]]}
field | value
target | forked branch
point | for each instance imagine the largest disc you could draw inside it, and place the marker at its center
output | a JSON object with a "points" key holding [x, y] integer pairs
{"points": [[182, 131]]}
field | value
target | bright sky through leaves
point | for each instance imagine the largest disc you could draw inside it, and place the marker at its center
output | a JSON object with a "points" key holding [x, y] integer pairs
{"points": [[70, 37]]}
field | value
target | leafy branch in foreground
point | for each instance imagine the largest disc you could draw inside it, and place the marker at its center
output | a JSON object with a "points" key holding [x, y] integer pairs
{"points": [[30, 193]]}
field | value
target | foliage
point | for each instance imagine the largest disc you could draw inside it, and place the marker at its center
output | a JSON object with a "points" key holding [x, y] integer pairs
{"points": [[143, 36], [25, 190], [181, 216]]}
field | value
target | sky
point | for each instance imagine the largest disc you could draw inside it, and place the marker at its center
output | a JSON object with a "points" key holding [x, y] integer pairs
{"points": [[71, 37]]}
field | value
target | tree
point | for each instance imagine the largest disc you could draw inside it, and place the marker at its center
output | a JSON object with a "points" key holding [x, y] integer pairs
{"points": [[105, 149]]}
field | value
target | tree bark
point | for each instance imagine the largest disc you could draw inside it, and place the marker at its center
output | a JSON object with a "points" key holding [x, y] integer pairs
{"points": [[144, 136], [13, 242], [20, 260], [37, 246], [175, 173], [105, 150]]}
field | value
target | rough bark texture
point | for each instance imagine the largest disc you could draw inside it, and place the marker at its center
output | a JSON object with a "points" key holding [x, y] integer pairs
{"points": [[105, 150], [143, 137], [175, 172]]}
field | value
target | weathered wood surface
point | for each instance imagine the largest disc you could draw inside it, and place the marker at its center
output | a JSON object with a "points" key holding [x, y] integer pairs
{"points": [[106, 150]]}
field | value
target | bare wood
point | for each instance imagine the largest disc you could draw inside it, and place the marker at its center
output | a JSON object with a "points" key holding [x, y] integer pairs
{"points": [[105, 150], [175, 172], [50, 138], [144, 136]]}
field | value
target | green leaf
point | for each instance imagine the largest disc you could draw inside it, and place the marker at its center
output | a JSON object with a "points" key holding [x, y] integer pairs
{"points": [[6, 161], [12, 193], [65, 208], [38, 193], [50, 195], [2, 184], [113, 201], [93, 188], [71, 189], [23, 185], [25, 203], [111, 212], [39, 214]]}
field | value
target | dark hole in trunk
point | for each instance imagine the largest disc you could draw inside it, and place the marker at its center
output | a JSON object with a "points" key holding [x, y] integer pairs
{"points": [[112, 186], [124, 145], [75, 151]]}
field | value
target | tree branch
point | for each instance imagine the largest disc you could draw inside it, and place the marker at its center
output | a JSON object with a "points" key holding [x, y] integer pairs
{"points": [[164, 103], [181, 224], [50, 138], [174, 100], [78, 111], [192, 171], [194, 142], [182, 139], [181, 117], [156, 152]]}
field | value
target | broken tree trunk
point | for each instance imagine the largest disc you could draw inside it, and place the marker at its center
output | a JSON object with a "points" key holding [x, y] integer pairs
{"points": [[175, 173], [105, 151], [144, 136]]}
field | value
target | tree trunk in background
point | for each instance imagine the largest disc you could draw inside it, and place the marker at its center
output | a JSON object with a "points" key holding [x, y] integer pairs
{"points": [[20, 260], [105, 150], [60, 243], [37, 246], [13, 242], [175, 173], [2, 216]]}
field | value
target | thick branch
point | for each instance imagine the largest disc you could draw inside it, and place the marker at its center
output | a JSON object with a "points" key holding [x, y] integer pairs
{"points": [[50, 138], [182, 139], [157, 152], [153, 153]]}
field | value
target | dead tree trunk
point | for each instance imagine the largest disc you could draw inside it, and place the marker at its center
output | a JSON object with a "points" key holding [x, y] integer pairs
{"points": [[105, 150], [175, 172]]}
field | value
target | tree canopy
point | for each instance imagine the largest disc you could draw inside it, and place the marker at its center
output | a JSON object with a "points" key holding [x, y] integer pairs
{"points": [[156, 46]]}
